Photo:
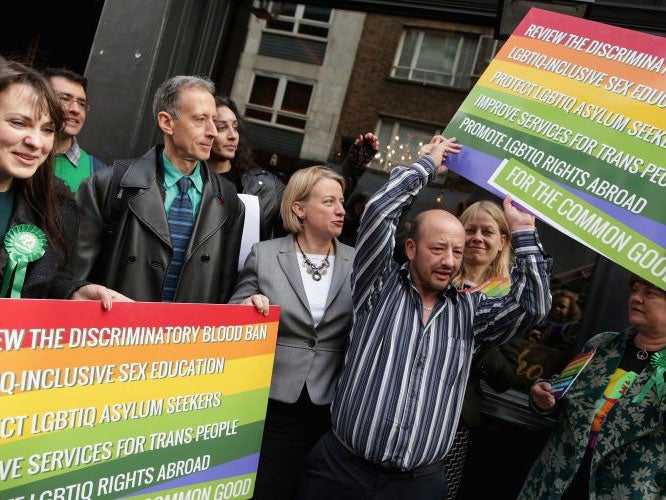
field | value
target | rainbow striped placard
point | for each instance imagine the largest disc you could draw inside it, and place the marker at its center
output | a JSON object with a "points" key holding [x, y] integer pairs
{"points": [[147, 399], [569, 119], [561, 384], [497, 286]]}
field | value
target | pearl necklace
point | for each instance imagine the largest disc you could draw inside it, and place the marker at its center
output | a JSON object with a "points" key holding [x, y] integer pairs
{"points": [[317, 271]]}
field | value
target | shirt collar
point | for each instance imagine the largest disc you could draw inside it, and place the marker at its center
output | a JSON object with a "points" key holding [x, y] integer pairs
{"points": [[73, 154], [172, 174]]}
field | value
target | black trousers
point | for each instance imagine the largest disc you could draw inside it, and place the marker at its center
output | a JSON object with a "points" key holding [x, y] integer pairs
{"points": [[290, 431], [333, 472]]}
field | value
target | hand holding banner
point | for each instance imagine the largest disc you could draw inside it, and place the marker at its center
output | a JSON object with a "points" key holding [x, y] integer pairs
{"points": [[569, 119], [148, 399]]}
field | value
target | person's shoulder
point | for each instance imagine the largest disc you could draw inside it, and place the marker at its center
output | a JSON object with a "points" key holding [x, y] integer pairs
{"points": [[93, 158], [67, 209], [64, 194], [344, 250], [217, 181], [97, 164], [99, 179], [260, 173], [601, 339], [274, 245]]}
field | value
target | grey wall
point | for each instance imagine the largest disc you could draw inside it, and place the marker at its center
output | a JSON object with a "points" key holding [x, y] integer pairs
{"points": [[139, 44]]}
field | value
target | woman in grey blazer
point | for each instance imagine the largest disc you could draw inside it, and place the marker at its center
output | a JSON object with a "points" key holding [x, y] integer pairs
{"points": [[308, 275]]}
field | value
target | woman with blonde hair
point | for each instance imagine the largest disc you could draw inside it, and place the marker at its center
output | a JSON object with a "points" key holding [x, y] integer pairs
{"points": [[307, 274], [487, 262], [487, 244]]}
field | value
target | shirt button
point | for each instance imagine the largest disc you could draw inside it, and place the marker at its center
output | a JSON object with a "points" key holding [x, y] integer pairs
{"points": [[312, 343]]}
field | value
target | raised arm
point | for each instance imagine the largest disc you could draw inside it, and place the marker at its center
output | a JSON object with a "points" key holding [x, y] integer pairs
{"points": [[376, 237], [361, 152]]}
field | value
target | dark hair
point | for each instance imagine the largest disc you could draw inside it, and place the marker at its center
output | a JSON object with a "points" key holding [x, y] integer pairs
{"points": [[243, 158], [68, 74], [634, 278], [574, 308], [40, 191]]}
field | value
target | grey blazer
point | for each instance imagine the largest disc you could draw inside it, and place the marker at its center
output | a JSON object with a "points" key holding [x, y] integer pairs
{"points": [[304, 355]]}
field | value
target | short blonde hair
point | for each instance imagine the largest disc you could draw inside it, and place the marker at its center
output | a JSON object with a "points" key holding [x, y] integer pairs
{"points": [[501, 264], [298, 189]]}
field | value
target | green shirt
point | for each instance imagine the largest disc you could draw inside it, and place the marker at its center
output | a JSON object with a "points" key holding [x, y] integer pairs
{"points": [[171, 177], [73, 174]]}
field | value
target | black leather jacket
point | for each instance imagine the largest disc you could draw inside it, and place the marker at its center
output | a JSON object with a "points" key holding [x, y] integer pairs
{"points": [[269, 189], [135, 264]]}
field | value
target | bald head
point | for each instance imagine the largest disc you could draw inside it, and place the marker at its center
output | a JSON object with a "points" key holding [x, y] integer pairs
{"points": [[432, 220], [434, 247]]}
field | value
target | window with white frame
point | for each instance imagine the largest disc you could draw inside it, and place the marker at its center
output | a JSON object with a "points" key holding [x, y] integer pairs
{"points": [[443, 58], [304, 20], [279, 101], [399, 143]]}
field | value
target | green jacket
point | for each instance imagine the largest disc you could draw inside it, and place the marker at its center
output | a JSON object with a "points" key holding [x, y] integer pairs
{"points": [[629, 461]]}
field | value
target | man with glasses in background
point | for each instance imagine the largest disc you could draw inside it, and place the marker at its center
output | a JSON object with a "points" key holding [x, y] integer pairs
{"points": [[72, 163]]}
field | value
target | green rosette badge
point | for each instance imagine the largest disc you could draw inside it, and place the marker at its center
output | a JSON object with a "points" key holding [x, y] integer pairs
{"points": [[658, 361], [24, 243]]}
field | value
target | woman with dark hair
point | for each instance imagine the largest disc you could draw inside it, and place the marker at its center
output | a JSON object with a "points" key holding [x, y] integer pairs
{"points": [[231, 158], [610, 438], [38, 216]]}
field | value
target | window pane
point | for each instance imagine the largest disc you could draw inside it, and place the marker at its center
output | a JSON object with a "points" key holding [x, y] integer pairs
{"points": [[410, 139], [297, 98], [283, 9], [429, 77], [259, 115], [306, 29], [263, 91], [384, 135], [291, 122], [401, 72], [402, 147], [438, 53], [408, 48], [486, 53], [317, 13], [279, 24], [466, 63], [466, 60]]}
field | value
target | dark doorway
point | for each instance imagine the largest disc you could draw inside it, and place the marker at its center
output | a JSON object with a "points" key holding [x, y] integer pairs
{"points": [[51, 33]]}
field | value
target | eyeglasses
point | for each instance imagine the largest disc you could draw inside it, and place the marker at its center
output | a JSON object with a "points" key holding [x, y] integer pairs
{"points": [[68, 99]]}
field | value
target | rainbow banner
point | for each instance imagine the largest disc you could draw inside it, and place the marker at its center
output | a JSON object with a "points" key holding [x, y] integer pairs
{"points": [[148, 400], [560, 385], [497, 286], [569, 118]]}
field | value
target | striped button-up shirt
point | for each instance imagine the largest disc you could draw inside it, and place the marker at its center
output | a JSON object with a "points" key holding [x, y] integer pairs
{"points": [[400, 394]]}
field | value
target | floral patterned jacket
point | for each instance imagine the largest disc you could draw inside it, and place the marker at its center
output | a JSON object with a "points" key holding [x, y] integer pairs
{"points": [[629, 461]]}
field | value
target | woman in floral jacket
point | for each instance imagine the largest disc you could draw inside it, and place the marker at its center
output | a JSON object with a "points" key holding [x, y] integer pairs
{"points": [[610, 438]]}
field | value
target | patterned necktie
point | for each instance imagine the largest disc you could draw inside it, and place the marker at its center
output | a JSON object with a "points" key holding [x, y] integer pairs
{"points": [[181, 221]]}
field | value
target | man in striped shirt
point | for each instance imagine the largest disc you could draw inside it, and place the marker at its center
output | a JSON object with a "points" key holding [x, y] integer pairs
{"points": [[399, 397]]}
